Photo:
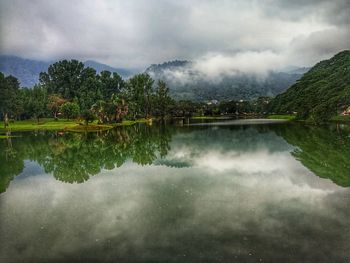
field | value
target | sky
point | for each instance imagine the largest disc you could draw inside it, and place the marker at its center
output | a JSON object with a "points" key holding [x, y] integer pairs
{"points": [[221, 35]]}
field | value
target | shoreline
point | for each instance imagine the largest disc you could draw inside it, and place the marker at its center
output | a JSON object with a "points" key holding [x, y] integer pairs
{"points": [[49, 124]]}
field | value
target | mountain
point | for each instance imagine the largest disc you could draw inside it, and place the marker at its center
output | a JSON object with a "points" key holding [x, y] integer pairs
{"points": [[185, 82], [101, 67], [322, 92], [27, 70]]}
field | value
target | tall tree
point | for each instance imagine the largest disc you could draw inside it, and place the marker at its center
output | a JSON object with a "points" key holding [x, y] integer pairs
{"points": [[9, 100], [37, 103], [111, 84], [139, 91], [162, 100], [64, 78], [70, 110]]}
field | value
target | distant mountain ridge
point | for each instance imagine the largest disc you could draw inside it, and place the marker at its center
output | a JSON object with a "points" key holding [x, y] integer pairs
{"points": [[168, 65], [101, 67], [184, 81], [188, 84], [27, 70]]}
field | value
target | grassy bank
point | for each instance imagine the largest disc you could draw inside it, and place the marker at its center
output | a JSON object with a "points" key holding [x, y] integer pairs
{"points": [[289, 117], [335, 119], [341, 119], [44, 124], [220, 117], [68, 125]]}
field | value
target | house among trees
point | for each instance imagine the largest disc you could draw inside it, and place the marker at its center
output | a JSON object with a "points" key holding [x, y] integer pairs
{"points": [[346, 112]]}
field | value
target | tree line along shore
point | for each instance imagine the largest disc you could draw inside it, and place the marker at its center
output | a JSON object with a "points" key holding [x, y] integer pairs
{"points": [[70, 93], [72, 96]]}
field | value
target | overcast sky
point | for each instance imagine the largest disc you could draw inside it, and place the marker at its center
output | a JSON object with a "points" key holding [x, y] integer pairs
{"points": [[137, 33]]}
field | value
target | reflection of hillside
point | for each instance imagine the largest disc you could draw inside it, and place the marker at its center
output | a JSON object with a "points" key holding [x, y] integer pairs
{"points": [[325, 151], [75, 157]]}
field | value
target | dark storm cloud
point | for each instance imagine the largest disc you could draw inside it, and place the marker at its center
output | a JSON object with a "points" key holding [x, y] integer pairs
{"points": [[137, 33]]}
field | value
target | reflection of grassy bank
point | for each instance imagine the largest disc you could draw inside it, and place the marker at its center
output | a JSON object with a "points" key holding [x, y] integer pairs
{"points": [[335, 119], [70, 125], [88, 128]]}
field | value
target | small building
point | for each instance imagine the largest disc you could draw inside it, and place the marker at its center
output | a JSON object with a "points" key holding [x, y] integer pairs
{"points": [[346, 112]]}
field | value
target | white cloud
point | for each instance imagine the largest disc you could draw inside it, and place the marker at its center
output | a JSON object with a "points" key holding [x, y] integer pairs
{"points": [[218, 34]]}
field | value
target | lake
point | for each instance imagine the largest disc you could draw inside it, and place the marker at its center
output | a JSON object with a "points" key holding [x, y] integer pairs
{"points": [[229, 191]]}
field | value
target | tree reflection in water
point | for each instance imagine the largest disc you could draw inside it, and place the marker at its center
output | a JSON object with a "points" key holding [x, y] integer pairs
{"points": [[74, 157], [323, 150]]}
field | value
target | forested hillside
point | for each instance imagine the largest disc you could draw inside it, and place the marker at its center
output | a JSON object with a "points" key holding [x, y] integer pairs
{"points": [[321, 93]]}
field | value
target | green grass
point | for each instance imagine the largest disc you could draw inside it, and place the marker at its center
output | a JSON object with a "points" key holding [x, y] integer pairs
{"points": [[7, 137], [343, 119], [211, 117], [281, 117], [129, 122], [44, 124], [69, 125]]}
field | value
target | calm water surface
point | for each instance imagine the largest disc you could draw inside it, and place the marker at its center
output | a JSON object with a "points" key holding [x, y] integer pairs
{"points": [[228, 192]]}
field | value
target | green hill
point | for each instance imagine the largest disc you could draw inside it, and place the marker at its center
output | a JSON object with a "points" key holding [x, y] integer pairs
{"points": [[323, 92]]}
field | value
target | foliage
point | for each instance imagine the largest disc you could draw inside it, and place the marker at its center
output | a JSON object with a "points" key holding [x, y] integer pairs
{"points": [[318, 96], [70, 110], [325, 151], [162, 101], [321, 93], [54, 104], [37, 103], [9, 99], [88, 116], [74, 157], [139, 92]]}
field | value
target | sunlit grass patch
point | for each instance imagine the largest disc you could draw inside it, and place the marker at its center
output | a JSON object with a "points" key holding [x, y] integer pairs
{"points": [[289, 117], [344, 119]]}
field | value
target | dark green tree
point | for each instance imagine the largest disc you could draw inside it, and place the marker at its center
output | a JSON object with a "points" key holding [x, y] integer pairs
{"points": [[64, 78], [10, 105], [70, 110], [139, 90], [37, 103], [162, 100], [111, 84]]}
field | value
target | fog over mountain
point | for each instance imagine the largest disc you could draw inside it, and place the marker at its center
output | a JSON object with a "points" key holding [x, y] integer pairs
{"points": [[188, 81]]}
